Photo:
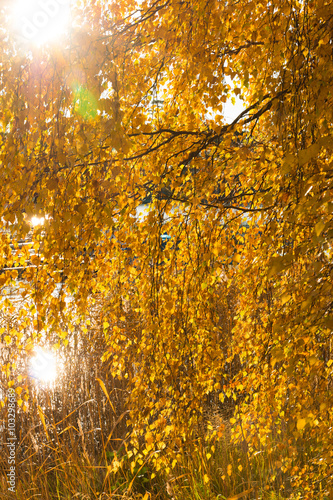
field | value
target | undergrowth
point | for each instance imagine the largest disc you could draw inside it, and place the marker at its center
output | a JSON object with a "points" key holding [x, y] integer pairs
{"points": [[224, 470]]}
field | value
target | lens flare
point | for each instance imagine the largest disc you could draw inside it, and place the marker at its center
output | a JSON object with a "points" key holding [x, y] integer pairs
{"points": [[40, 21], [37, 221], [43, 365]]}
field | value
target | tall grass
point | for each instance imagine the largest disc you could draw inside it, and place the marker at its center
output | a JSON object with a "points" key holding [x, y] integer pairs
{"points": [[75, 430], [72, 458]]}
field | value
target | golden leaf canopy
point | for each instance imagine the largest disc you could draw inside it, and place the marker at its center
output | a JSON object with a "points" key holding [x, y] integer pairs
{"points": [[220, 287]]}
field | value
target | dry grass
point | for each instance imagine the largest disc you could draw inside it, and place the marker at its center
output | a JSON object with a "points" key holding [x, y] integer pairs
{"points": [[74, 430]]}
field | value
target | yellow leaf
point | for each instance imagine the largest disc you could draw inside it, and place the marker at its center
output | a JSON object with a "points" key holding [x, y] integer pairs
{"points": [[301, 422], [206, 479], [285, 298], [101, 383], [319, 227], [312, 360], [35, 260], [236, 258], [149, 438]]}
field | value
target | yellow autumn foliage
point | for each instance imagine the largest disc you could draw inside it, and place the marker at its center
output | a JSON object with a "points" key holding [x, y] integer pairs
{"points": [[219, 289]]}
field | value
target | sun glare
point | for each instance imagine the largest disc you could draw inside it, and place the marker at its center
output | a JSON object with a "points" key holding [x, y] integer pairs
{"points": [[43, 365], [40, 21], [37, 221]]}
